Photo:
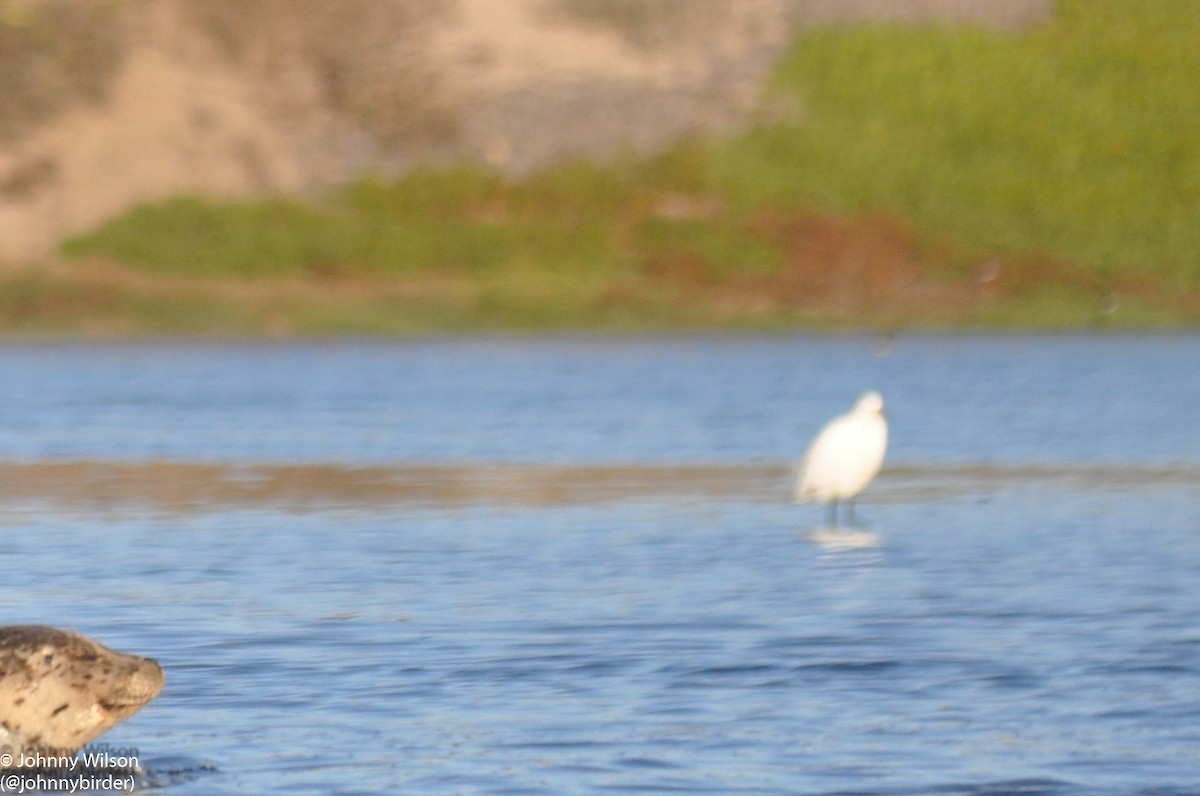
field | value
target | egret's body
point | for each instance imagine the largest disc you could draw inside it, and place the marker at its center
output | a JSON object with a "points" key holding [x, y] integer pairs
{"points": [[845, 456]]}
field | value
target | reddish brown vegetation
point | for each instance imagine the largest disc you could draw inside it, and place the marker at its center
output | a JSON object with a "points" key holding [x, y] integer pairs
{"points": [[874, 270]]}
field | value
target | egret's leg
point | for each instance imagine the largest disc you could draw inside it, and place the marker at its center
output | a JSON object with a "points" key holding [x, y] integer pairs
{"points": [[833, 514], [850, 512]]}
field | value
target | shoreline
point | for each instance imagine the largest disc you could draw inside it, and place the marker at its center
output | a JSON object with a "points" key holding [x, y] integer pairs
{"points": [[186, 487]]}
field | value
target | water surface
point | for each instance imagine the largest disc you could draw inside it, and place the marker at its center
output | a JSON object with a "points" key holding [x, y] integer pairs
{"points": [[557, 567]]}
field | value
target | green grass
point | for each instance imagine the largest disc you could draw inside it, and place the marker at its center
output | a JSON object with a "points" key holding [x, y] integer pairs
{"points": [[460, 219], [1076, 138], [1074, 142]]}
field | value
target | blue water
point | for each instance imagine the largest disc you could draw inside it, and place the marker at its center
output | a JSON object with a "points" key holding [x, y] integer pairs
{"points": [[1033, 637]]}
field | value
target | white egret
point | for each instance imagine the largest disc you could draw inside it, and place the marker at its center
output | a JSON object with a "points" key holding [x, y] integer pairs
{"points": [[845, 456]]}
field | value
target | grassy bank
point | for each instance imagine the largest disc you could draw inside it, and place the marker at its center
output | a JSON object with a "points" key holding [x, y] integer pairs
{"points": [[895, 177]]}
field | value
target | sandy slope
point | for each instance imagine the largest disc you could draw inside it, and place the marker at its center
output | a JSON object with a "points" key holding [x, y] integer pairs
{"points": [[227, 99]]}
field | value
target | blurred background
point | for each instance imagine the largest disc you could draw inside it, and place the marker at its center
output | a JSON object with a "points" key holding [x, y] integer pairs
{"points": [[407, 166]]}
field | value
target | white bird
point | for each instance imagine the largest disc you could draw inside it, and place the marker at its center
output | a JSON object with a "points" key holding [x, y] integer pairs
{"points": [[845, 456]]}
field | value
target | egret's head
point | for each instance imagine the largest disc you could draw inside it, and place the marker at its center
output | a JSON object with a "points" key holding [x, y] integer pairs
{"points": [[871, 402]]}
